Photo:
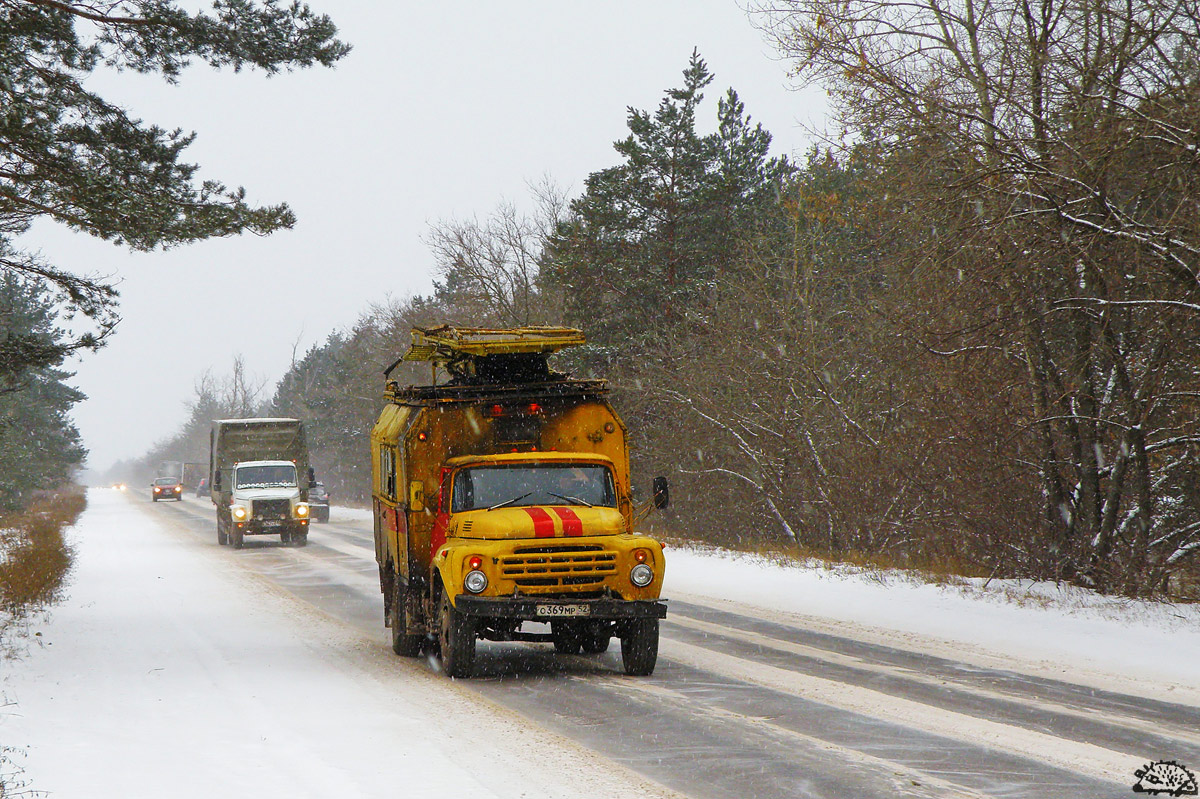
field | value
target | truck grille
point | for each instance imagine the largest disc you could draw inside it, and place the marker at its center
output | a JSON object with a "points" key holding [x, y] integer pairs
{"points": [[569, 564], [272, 509]]}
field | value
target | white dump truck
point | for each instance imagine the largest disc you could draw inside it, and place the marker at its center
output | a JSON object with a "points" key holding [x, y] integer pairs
{"points": [[259, 479]]}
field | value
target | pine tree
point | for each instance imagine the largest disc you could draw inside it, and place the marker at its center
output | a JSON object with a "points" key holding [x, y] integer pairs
{"points": [[69, 155], [645, 243], [39, 445]]}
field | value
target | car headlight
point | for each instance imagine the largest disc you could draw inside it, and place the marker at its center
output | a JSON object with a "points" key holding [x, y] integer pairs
{"points": [[157, 489], [301, 509], [475, 581], [238, 512], [641, 575]]}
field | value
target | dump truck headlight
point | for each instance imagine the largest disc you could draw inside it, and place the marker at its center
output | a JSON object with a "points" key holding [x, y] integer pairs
{"points": [[475, 581], [238, 512], [301, 510], [641, 575]]}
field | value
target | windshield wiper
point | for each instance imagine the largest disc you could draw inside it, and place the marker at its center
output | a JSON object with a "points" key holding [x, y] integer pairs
{"points": [[510, 501], [575, 500]]}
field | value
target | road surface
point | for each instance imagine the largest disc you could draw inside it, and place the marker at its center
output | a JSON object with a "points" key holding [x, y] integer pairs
{"points": [[747, 702]]}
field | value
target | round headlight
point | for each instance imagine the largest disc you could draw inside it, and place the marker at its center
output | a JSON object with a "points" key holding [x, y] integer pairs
{"points": [[475, 581], [301, 510], [238, 512], [641, 575]]}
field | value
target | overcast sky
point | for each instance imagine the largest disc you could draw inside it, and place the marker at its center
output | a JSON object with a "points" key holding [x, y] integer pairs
{"points": [[441, 111]]}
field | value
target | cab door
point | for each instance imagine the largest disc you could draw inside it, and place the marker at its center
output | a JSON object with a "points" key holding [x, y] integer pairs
{"points": [[441, 520]]}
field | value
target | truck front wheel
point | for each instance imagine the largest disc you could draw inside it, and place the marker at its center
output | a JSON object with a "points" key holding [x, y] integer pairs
{"points": [[222, 536], [456, 640], [403, 644], [235, 536], [639, 647]]}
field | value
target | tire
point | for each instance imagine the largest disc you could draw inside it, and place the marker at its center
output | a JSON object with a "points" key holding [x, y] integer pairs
{"points": [[222, 536], [285, 538], [639, 647], [456, 640], [235, 537], [403, 644], [300, 539], [568, 637]]}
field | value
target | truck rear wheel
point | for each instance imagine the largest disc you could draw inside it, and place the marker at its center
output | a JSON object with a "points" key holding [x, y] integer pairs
{"points": [[639, 647], [403, 644], [456, 640]]}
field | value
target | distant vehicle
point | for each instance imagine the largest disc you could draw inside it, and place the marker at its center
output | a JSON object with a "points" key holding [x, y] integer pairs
{"points": [[259, 479], [166, 488], [318, 502], [118, 486], [202, 487]]}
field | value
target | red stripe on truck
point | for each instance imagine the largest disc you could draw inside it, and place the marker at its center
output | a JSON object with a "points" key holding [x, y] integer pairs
{"points": [[570, 522], [543, 525]]}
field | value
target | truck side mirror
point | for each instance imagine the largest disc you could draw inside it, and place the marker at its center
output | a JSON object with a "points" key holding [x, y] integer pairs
{"points": [[217, 482], [416, 496], [662, 493], [312, 476]]}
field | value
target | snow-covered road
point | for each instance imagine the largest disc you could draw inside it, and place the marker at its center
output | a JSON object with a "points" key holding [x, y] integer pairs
{"points": [[183, 668]]}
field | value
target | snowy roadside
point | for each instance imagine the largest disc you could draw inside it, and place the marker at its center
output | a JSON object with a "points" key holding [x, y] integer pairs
{"points": [[1036, 628], [168, 673]]}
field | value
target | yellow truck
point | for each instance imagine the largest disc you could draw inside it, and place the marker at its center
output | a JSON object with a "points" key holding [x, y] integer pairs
{"points": [[502, 505]]}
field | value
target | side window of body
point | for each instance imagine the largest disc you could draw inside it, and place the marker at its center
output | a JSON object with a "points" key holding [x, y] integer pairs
{"points": [[387, 471]]}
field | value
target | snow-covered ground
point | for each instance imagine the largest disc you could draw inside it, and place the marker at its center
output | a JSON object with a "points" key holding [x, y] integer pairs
{"points": [[1032, 627], [167, 673]]}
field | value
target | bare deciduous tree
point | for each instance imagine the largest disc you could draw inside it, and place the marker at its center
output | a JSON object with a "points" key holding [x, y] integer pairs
{"points": [[1045, 155]]}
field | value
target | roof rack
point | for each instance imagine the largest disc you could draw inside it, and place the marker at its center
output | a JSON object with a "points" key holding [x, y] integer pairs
{"points": [[448, 343], [488, 355]]}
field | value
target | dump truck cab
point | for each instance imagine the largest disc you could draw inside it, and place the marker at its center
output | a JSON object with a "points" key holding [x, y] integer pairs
{"points": [[502, 500]]}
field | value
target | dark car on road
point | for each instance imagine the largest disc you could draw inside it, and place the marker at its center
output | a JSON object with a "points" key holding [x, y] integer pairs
{"points": [[318, 502], [166, 488]]}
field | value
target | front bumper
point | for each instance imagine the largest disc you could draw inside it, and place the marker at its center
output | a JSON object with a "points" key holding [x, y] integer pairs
{"points": [[526, 608], [271, 526]]}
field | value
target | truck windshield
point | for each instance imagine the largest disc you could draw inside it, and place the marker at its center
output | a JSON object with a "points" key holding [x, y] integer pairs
{"points": [[558, 484], [262, 476]]}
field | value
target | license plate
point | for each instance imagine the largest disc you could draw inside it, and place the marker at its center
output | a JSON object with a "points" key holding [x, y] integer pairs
{"points": [[272, 524], [564, 610]]}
